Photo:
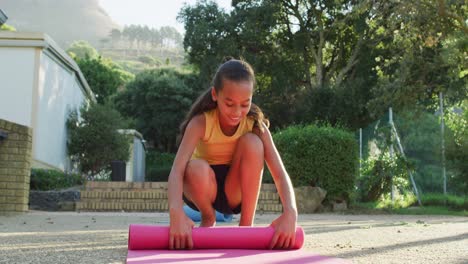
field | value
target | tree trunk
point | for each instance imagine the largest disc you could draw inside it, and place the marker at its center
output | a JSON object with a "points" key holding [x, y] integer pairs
{"points": [[307, 68]]}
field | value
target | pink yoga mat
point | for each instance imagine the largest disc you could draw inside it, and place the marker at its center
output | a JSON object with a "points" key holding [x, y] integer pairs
{"points": [[226, 245], [229, 256], [227, 237]]}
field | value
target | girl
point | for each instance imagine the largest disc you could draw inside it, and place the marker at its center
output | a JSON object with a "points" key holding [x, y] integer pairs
{"points": [[219, 163]]}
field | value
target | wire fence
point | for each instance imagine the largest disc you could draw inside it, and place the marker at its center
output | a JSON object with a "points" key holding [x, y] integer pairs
{"points": [[406, 151]]}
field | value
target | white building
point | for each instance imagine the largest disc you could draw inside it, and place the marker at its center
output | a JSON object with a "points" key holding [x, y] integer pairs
{"points": [[39, 85], [136, 164]]}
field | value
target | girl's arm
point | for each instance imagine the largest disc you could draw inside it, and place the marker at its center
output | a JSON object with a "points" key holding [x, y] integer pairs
{"points": [[180, 236], [285, 225], [193, 133]]}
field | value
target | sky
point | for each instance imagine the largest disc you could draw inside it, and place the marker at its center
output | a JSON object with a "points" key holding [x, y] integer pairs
{"points": [[153, 13]]}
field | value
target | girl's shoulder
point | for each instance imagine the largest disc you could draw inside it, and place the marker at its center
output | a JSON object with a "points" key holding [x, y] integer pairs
{"points": [[196, 127], [198, 121]]}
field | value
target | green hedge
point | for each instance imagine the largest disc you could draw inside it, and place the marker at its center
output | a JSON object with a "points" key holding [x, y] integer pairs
{"points": [[450, 201], [44, 180], [322, 156], [158, 166]]}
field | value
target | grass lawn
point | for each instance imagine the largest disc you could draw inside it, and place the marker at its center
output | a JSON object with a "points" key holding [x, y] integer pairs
{"points": [[372, 208]]}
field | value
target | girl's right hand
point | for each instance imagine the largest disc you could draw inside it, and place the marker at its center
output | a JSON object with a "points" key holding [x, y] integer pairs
{"points": [[180, 231]]}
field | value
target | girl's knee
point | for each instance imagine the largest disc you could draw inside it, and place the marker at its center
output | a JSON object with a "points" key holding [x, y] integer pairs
{"points": [[197, 172], [199, 181], [253, 143]]}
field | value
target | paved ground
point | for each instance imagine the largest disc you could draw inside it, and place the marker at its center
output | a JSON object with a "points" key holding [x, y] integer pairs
{"points": [[69, 237]]}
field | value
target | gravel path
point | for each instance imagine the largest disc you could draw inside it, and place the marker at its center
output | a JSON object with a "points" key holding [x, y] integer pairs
{"points": [[69, 237]]}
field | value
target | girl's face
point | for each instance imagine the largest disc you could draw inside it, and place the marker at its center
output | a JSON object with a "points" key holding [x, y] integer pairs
{"points": [[234, 101]]}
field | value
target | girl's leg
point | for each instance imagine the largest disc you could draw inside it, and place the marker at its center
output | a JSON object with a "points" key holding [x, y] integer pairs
{"points": [[200, 188], [245, 176]]}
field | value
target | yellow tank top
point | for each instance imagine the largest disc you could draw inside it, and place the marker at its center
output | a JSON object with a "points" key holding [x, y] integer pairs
{"points": [[215, 147]]}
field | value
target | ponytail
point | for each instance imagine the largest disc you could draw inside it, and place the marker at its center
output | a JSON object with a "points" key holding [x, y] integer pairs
{"points": [[203, 104], [257, 114]]}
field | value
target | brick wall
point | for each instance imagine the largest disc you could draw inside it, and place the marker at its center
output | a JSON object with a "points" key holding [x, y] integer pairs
{"points": [[150, 196], [15, 167]]}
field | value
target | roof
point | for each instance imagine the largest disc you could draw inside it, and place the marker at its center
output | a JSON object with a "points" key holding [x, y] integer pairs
{"points": [[133, 133], [42, 40]]}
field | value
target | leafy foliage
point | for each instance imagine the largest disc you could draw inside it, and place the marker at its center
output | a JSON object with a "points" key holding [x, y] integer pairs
{"points": [[158, 166], [425, 56], [403, 200], [103, 76], [94, 140], [82, 50], [451, 201], [379, 173], [323, 156], [45, 180], [301, 53], [142, 36], [457, 149], [343, 61], [158, 100], [6, 27], [421, 137]]}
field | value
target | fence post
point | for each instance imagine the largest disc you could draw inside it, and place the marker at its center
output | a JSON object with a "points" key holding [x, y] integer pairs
{"points": [[400, 147], [360, 151], [442, 132], [390, 122]]}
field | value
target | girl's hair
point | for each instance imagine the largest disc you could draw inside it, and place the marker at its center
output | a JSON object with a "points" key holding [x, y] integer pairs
{"points": [[232, 70]]}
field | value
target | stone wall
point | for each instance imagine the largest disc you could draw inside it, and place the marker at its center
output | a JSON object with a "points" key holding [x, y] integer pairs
{"points": [[53, 200], [15, 167]]}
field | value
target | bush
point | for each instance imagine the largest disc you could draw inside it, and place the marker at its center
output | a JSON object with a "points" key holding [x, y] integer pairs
{"points": [[324, 156], [158, 166], [6, 27], [149, 60], [44, 180], [377, 174], [157, 174], [457, 149], [82, 49], [94, 140], [103, 76], [267, 178], [401, 201], [158, 100], [439, 199]]}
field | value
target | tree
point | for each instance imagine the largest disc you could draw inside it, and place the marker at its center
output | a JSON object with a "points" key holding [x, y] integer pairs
{"points": [[94, 140], [206, 38], [296, 48], [103, 76], [6, 27], [457, 149], [158, 101], [427, 55], [115, 35], [341, 61], [144, 36], [130, 33], [82, 49], [155, 38], [453, 14]]}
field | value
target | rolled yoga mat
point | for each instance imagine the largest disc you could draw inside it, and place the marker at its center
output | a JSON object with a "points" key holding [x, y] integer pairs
{"points": [[218, 245], [157, 237]]}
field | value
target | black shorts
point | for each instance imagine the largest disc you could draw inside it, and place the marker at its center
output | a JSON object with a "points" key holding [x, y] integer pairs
{"points": [[220, 203]]}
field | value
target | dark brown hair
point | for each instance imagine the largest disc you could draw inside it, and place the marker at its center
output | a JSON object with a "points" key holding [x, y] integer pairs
{"points": [[232, 70]]}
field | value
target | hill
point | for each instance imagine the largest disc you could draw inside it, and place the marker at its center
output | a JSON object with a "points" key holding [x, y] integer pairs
{"points": [[64, 20]]}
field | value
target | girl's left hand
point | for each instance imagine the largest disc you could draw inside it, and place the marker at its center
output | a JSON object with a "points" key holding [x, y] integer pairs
{"points": [[285, 230]]}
